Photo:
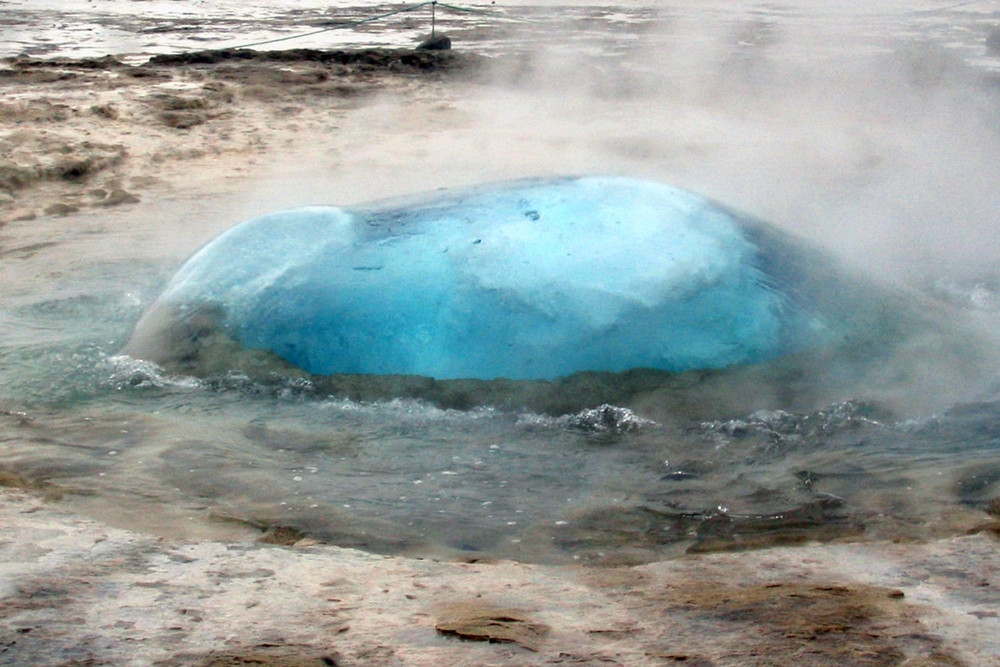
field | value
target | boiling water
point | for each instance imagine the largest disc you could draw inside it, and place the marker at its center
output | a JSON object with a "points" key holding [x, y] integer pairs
{"points": [[226, 457]]}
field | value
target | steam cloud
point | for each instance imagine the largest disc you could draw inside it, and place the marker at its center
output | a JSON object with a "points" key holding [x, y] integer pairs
{"points": [[880, 146], [864, 132]]}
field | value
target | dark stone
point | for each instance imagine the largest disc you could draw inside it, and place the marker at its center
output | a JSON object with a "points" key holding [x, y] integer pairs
{"points": [[994, 507], [182, 120], [59, 208], [283, 535], [435, 43], [361, 59], [993, 42]]}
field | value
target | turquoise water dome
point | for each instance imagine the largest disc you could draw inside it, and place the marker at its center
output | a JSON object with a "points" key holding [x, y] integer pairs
{"points": [[531, 279]]}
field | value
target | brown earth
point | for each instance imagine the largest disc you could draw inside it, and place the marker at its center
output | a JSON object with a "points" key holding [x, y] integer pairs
{"points": [[76, 134]]}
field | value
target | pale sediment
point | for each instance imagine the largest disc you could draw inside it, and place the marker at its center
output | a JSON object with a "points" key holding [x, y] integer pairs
{"points": [[78, 592]]}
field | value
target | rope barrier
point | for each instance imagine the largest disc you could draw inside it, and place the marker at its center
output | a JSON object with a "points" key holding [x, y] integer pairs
{"points": [[469, 10], [371, 19], [948, 8]]}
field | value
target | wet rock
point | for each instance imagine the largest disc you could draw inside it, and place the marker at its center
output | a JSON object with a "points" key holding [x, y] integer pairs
{"points": [[641, 533], [22, 75], [821, 519], [483, 622], [177, 102], [82, 160], [994, 507], [73, 168], [317, 526], [282, 535], [10, 478], [182, 120], [35, 111], [680, 476], [594, 533], [993, 42], [116, 197], [36, 480], [435, 43], [608, 419], [146, 73], [61, 209], [14, 176], [267, 655], [218, 92], [372, 59], [977, 485], [185, 111], [27, 63], [108, 111]]}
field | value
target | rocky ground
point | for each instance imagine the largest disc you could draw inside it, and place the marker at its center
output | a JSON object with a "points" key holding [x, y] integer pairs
{"points": [[76, 134], [76, 592]]}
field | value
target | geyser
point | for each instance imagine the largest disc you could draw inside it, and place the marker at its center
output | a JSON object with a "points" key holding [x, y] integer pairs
{"points": [[529, 279]]}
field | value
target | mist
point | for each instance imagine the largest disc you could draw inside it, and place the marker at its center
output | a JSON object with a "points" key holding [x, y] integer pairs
{"points": [[880, 147], [886, 154], [860, 132]]}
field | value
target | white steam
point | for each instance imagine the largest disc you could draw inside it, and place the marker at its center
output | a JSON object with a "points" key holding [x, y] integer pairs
{"points": [[857, 130]]}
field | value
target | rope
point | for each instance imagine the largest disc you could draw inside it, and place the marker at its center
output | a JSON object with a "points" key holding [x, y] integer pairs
{"points": [[350, 24], [941, 10], [468, 10]]}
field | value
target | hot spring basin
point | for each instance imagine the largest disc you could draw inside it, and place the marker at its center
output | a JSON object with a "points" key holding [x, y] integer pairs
{"points": [[530, 279]]}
